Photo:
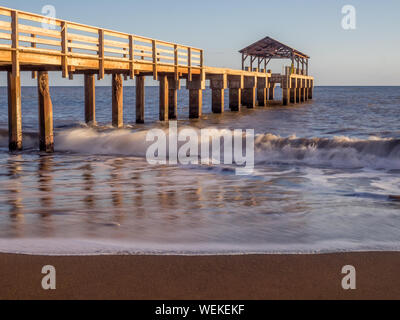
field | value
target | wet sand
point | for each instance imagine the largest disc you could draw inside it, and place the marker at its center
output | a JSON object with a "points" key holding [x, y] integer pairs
{"points": [[202, 277]]}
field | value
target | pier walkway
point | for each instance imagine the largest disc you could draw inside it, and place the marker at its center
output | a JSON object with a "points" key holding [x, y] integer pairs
{"points": [[33, 43]]}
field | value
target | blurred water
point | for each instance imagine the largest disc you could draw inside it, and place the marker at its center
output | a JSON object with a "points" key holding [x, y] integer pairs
{"points": [[326, 178]]}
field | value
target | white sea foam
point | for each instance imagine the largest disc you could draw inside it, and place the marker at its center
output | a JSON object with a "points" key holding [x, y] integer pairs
{"points": [[337, 152], [98, 247]]}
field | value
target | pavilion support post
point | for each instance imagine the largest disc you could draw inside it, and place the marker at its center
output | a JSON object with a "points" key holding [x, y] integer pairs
{"points": [[272, 91], [293, 91], [262, 84], [249, 92], [164, 98], [117, 101], [235, 84], [173, 87], [90, 99], [14, 112], [46, 137], [140, 98], [195, 87], [218, 84]]}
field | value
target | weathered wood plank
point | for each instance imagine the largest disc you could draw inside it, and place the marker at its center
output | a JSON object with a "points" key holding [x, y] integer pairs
{"points": [[90, 99], [46, 138], [117, 101]]}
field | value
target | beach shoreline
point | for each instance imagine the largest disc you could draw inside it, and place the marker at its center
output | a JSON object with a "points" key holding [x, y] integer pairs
{"points": [[242, 277]]}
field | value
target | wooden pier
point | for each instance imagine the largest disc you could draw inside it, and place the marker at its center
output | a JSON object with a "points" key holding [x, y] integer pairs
{"points": [[26, 45]]}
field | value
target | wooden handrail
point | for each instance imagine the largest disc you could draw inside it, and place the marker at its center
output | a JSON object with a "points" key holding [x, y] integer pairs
{"points": [[68, 38]]}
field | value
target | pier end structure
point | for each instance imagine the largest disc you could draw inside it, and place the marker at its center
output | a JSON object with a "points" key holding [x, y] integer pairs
{"points": [[75, 49], [296, 83]]}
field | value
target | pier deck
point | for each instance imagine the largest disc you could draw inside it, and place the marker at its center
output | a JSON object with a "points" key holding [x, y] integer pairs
{"points": [[31, 42]]}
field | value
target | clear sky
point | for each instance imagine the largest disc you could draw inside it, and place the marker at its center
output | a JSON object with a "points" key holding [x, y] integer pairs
{"points": [[368, 55]]}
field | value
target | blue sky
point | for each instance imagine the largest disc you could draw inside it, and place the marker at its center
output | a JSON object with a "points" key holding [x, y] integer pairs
{"points": [[365, 56]]}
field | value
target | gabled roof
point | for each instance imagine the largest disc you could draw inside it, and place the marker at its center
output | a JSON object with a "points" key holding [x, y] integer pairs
{"points": [[273, 49]]}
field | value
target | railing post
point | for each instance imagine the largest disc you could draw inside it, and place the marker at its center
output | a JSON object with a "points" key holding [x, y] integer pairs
{"points": [[101, 54], [154, 44], [64, 49], [176, 62], [203, 74], [190, 64], [131, 58], [33, 45], [14, 90]]}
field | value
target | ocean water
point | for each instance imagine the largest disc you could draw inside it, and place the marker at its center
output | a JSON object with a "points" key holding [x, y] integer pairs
{"points": [[326, 179]]}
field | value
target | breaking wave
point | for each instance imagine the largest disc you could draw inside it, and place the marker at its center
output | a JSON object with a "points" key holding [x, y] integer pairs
{"points": [[336, 152]]}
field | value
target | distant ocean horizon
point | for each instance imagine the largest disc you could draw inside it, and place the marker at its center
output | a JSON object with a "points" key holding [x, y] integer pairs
{"points": [[326, 179]]}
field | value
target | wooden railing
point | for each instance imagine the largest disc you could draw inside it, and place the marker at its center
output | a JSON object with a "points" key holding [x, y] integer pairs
{"points": [[22, 31]]}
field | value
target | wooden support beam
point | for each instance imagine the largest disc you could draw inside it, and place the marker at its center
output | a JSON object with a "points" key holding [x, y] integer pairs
{"points": [[117, 101], [293, 91], [90, 99], [131, 57], [218, 100], [33, 45], [302, 91], [14, 112], [140, 98], [262, 84], [271, 93], [173, 87], [15, 44], [285, 90], [176, 62], [235, 99], [64, 49], [154, 50], [195, 88], [101, 55], [310, 90], [249, 92], [195, 103], [164, 109], [189, 64], [218, 84], [298, 91], [46, 138], [235, 84]]}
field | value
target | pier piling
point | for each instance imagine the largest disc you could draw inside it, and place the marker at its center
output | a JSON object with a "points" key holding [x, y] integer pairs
{"points": [[164, 99], [272, 91], [173, 87], [117, 101], [14, 112], [46, 138], [28, 47], [140, 99], [90, 99], [195, 88], [249, 92], [235, 84], [262, 84], [218, 84]]}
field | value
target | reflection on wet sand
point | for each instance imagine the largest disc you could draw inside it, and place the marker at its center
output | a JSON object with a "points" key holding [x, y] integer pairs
{"points": [[45, 175], [14, 198], [88, 185]]}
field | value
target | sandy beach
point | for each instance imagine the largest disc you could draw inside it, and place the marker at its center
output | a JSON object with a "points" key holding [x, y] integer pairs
{"points": [[202, 277]]}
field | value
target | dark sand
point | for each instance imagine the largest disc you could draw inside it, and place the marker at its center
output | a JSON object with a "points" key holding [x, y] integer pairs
{"points": [[212, 277]]}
